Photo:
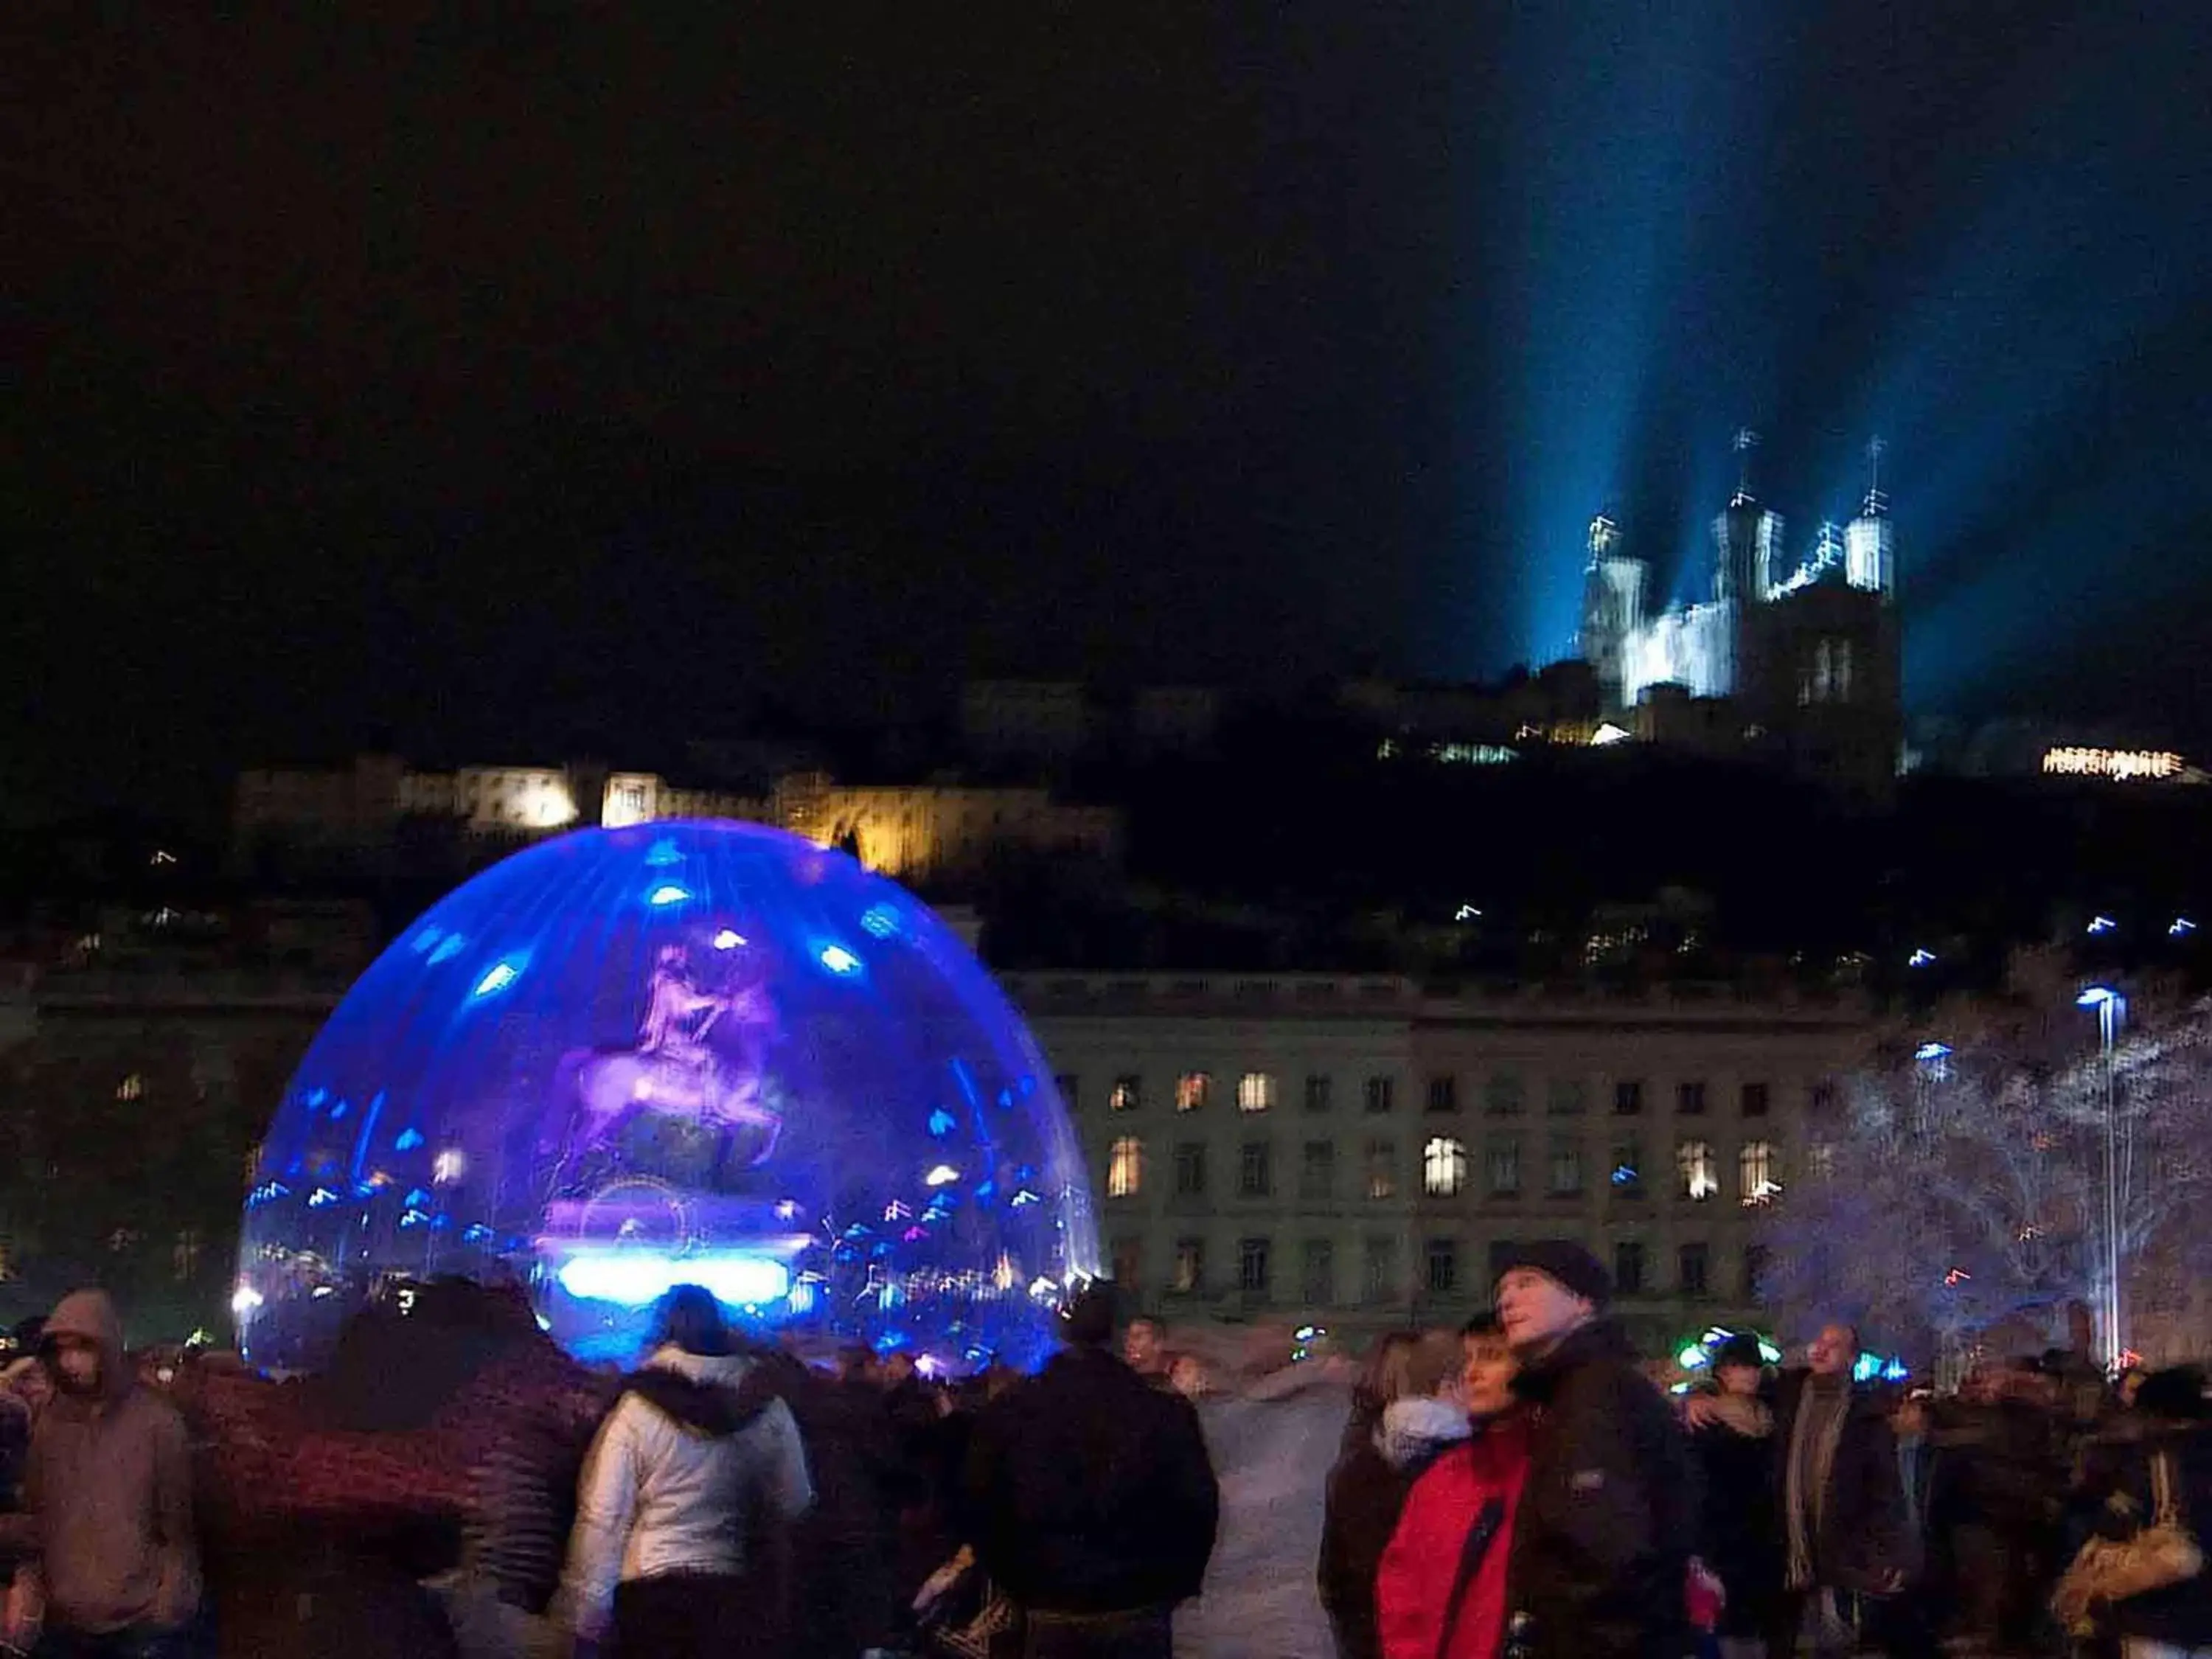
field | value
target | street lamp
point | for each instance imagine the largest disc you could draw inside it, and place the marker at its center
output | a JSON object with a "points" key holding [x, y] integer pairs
{"points": [[2111, 1007]]}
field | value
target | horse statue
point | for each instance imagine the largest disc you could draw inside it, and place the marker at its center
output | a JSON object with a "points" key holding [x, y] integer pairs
{"points": [[671, 1071]]}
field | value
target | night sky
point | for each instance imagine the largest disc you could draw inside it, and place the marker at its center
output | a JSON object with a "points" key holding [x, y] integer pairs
{"points": [[507, 382]]}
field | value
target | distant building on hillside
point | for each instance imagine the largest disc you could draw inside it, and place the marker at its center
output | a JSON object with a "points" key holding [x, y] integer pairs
{"points": [[369, 814]]}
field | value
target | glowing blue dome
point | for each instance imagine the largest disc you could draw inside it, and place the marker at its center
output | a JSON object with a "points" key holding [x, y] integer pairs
{"points": [[697, 1052]]}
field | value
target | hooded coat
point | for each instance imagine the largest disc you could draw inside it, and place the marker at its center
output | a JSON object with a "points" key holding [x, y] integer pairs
{"points": [[1366, 1495], [108, 1482], [1427, 1605], [1607, 1515], [697, 1449]]}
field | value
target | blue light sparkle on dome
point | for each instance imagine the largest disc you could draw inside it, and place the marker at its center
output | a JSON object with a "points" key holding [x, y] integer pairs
{"points": [[626, 1057]]}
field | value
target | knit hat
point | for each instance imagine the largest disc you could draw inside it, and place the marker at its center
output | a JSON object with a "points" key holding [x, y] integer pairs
{"points": [[1566, 1264], [2176, 1393], [1739, 1351], [1088, 1322]]}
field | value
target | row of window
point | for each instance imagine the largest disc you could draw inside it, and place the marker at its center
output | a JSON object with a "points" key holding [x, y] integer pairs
{"points": [[1444, 1168], [1503, 1094], [1442, 1273]]}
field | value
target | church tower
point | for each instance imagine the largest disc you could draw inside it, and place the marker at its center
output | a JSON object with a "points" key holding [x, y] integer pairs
{"points": [[1746, 538], [1614, 584], [1869, 550]]}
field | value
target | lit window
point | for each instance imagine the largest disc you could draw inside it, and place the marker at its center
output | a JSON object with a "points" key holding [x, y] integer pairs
{"points": [[1443, 1166], [132, 1087], [1125, 1167], [1503, 1154], [1255, 1092], [1699, 1174], [1191, 1089], [1190, 1266], [1756, 1173], [1252, 1265], [1382, 1169], [1128, 1094]]}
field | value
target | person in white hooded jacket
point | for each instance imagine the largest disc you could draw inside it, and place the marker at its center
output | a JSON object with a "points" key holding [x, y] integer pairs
{"points": [[697, 1459]]}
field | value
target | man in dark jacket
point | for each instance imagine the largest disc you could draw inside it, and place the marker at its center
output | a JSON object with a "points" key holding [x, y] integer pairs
{"points": [[1843, 1529], [1601, 1538], [1092, 1501]]}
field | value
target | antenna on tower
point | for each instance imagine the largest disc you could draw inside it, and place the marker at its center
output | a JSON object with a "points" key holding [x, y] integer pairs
{"points": [[1877, 502], [1745, 442]]}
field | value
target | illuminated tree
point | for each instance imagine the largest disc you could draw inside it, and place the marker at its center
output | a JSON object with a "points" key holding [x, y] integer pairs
{"points": [[1955, 1182]]}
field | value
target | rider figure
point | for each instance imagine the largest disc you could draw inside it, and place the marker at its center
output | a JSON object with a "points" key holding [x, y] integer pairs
{"points": [[672, 1028]]}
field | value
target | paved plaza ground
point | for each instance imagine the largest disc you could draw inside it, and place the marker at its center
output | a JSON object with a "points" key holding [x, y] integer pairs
{"points": [[1273, 1456]]}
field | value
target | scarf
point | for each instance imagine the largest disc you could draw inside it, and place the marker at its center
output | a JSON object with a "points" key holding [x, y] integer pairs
{"points": [[1813, 1441]]}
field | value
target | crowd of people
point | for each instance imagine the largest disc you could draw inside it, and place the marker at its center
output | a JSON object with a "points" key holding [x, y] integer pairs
{"points": [[454, 1485], [1527, 1491]]}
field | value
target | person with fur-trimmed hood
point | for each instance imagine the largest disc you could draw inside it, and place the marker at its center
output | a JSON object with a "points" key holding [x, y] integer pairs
{"points": [[1601, 1537], [1440, 1592], [696, 1452], [1367, 1485]]}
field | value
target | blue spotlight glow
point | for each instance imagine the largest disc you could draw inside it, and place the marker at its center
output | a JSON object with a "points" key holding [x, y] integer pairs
{"points": [[1931, 1051], [2102, 925], [728, 939], [838, 960], [668, 893], [1921, 959], [2180, 927]]}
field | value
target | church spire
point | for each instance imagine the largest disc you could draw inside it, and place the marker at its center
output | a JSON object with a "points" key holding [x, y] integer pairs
{"points": [[1877, 502], [1745, 442]]}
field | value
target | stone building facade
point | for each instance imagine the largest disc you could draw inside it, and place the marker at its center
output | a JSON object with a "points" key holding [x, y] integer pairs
{"points": [[1358, 1152]]}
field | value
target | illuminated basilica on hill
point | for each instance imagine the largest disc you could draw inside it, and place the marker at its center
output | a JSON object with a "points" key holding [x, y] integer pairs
{"points": [[1803, 657]]}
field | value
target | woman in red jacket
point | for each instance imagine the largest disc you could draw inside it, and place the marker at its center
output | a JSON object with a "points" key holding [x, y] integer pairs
{"points": [[1440, 1593]]}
